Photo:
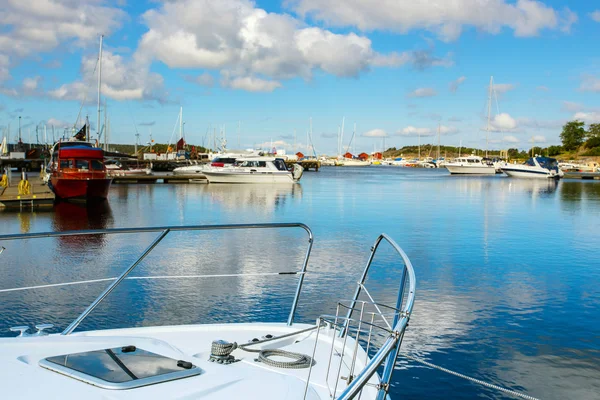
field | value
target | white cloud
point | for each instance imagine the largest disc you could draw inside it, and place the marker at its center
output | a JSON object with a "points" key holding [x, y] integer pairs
{"points": [[411, 131], [542, 88], [595, 15], [503, 122], [591, 117], [455, 84], [28, 87], [204, 79], [121, 80], [446, 19], [590, 83], [510, 139], [57, 123], [502, 88], [537, 139], [375, 133], [249, 83], [39, 26], [539, 124], [571, 106], [423, 92], [282, 144]]}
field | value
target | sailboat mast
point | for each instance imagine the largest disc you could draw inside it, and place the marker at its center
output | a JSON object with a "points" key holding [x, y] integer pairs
{"points": [[180, 122], [105, 127], [99, 84], [438, 152], [487, 130], [342, 134]]}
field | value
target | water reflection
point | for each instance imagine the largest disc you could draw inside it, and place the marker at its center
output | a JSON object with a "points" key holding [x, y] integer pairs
{"points": [[261, 198], [81, 216]]}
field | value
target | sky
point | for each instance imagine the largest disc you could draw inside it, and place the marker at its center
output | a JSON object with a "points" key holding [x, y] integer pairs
{"points": [[398, 70]]}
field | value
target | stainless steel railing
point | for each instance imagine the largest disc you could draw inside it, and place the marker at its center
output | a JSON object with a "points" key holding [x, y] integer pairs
{"points": [[371, 321], [163, 232]]}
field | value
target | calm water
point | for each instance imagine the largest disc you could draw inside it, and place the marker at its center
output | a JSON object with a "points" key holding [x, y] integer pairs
{"points": [[507, 270]]}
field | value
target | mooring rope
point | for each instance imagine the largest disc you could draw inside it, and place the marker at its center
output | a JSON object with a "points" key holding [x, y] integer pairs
{"points": [[470, 378]]}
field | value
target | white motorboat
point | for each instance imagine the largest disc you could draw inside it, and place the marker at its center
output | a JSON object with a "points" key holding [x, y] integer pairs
{"points": [[536, 167], [115, 168], [354, 162], [219, 161], [255, 170], [339, 356], [470, 165]]}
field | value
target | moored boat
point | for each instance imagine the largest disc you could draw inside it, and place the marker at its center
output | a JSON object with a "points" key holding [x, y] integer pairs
{"points": [[536, 167], [255, 170], [77, 171], [472, 164]]}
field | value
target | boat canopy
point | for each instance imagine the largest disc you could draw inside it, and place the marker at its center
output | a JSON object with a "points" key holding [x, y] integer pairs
{"points": [[81, 152], [547, 162]]}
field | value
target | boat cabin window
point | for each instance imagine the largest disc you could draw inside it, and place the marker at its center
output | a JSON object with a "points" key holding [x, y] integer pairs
{"points": [[280, 165], [65, 164], [224, 160], [97, 165], [82, 164], [470, 161]]}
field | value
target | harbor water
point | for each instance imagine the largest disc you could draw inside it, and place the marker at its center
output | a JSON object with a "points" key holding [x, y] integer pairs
{"points": [[507, 270]]}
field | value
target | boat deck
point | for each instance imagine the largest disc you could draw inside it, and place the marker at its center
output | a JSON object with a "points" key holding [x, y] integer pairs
{"points": [[246, 378]]}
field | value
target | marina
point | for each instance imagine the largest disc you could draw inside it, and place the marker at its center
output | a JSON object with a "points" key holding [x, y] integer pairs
{"points": [[299, 200], [465, 295]]}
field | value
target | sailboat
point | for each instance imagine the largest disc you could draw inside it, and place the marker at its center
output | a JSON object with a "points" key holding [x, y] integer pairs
{"points": [[349, 159], [3, 148], [475, 165], [76, 169]]}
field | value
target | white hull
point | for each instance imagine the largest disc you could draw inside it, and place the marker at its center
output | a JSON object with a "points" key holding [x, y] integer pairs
{"points": [[354, 163], [531, 174], [471, 169], [248, 177]]}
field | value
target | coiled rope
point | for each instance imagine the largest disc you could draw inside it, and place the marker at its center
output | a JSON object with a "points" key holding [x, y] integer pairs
{"points": [[469, 378], [221, 352]]}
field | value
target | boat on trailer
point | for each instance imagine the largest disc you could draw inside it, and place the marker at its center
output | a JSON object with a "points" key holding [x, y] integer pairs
{"points": [[346, 354]]}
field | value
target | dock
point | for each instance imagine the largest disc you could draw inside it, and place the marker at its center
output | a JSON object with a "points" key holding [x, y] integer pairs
{"points": [[41, 196], [151, 179], [582, 175], [306, 164]]}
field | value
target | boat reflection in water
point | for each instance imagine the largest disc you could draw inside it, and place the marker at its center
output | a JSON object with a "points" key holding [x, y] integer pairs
{"points": [[70, 216], [263, 198], [537, 187]]}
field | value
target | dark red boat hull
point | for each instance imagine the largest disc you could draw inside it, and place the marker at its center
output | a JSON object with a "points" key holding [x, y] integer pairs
{"points": [[80, 189]]}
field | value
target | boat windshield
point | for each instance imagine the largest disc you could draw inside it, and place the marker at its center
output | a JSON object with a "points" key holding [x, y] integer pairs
{"points": [[280, 164], [546, 162], [530, 162]]}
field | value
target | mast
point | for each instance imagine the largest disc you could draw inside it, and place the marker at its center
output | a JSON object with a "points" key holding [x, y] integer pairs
{"points": [[354, 139], [180, 122], [438, 152], [342, 134], [19, 128], [239, 133], [99, 84], [311, 143], [295, 149], [105, 126], [487, 130], [419, 145]]}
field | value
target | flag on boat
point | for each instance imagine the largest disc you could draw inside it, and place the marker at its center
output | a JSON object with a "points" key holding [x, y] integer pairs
{"points": [[81, 135]]}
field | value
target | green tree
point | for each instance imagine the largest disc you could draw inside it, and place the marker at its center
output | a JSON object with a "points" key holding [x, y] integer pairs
{"points": [[593, 131], [554, 150], [573, 135]]}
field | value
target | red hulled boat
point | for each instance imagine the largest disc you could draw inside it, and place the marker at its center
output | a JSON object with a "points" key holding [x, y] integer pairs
{"points": [[77, 171]]}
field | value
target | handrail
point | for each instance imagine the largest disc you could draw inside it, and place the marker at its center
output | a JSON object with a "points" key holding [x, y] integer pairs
{"points": [[164, 231], [388, 353]]}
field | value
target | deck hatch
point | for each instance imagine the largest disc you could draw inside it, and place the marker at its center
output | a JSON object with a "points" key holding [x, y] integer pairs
{"points": [[124, 367]]}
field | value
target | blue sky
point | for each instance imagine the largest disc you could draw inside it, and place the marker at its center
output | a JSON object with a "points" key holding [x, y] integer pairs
{"points": [[396, 68]]}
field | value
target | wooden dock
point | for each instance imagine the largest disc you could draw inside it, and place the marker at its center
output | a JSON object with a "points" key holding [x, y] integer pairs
{"points": [[41, 196], [582, 175], [151, 179], [306, 164]]}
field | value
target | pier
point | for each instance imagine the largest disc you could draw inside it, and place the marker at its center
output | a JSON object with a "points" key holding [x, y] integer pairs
{"points": [[130, 179], [582, 175], [40, 196]]}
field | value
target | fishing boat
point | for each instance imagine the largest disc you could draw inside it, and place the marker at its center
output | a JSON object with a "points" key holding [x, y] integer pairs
{"points": [[471, 165], [77, 171], [346, 353], [536, 167], [255, 170]]}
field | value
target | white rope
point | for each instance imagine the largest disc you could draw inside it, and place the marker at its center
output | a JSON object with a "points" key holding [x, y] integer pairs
{"points": [[376, 307], [145, 277], [469, 378]]}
